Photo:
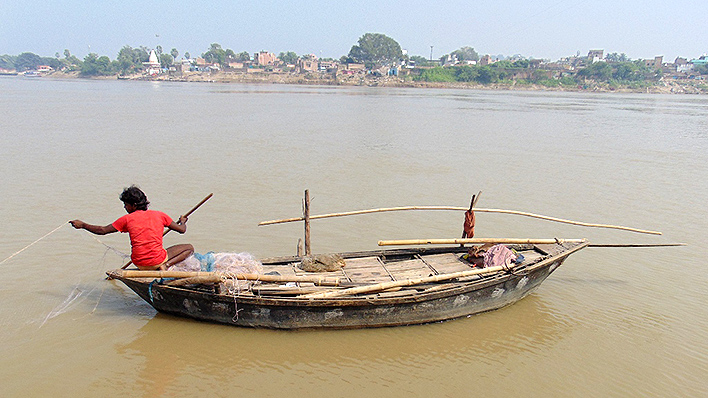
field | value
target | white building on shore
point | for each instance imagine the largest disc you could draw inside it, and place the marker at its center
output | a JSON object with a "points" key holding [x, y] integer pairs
{"points": [[152, 66]]}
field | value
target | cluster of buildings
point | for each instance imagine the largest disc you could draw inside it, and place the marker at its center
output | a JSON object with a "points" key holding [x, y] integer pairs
{"points": [[265, 61], [680, 64], [681, 67], [262, 61]]}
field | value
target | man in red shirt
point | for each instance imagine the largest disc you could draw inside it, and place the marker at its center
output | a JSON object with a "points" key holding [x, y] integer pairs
{"points": [[145, 228]]}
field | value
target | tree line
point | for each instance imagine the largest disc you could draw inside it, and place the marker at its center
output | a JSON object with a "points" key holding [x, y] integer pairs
{"points": [[374, 50]]}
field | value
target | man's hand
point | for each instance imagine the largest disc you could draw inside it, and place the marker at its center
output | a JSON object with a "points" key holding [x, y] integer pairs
{"points": [[78, 224]]}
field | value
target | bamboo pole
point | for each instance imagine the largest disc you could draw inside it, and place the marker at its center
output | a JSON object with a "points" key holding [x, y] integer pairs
{"points": [[317, 280], [308, 249], [394, 284], [512, 241], [454, 208], [636, 245], [167, 230]]}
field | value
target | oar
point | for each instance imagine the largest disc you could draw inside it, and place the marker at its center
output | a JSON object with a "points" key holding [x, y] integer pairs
{"points": [[186, 215]]}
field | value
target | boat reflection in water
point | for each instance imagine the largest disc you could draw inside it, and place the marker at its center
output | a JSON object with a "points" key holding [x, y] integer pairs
{"points": [[254, 358]]}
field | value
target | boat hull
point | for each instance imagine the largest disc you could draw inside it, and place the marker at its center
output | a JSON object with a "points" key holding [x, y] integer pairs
{"points": [[444, 302]]}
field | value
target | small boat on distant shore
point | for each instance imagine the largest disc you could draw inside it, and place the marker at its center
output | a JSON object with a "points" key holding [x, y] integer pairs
{"points": [[392, 287]]}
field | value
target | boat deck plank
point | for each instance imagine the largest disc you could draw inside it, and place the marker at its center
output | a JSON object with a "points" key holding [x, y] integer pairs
{"points": [[366, 270], [408, 269], [447, 263]]}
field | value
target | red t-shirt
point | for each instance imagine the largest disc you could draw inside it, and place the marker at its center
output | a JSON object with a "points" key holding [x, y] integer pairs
{"points": [[145, 228]]}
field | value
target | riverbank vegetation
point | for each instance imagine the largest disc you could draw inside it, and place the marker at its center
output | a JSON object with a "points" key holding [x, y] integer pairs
{"points": [[379, 56], [631, 74]]}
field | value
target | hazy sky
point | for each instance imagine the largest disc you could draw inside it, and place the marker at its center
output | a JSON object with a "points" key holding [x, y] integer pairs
{"points": [[534, 28]]}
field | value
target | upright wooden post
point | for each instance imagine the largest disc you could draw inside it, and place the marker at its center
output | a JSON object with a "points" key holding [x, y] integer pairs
{"points": [[308, 249]]}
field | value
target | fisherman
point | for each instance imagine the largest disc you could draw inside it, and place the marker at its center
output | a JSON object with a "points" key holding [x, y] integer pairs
{"points": [[145, 228]]}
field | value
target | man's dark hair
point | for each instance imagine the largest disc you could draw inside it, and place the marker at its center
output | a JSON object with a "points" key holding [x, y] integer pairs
{"points": [[134, 196]]}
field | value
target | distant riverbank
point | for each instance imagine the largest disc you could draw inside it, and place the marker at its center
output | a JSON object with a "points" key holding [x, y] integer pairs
{"points": [[666, 86]]}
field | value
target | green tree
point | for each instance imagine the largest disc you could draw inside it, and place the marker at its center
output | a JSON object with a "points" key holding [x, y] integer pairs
{"points": [[166, 60], [614, 57], [7, 61], [376, 49], [701, 69], [601, 71], [158, 50], [187, 55], [521, 63], [466, 54], [53, 62], [71, 62], [421, 61], [466, 73], [215, 54], [288, 57], [627, 71], [174, 53], [130, 59], [94, 65], [487, 75], [504, 64], [27, 61], [243, 56]]}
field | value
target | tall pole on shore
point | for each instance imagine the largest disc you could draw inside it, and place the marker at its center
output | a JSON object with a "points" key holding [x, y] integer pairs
{"points": [[431, 53]]}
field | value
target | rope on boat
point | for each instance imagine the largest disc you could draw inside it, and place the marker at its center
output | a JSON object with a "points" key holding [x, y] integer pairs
{"points": [[27, 247], [235, 289]]}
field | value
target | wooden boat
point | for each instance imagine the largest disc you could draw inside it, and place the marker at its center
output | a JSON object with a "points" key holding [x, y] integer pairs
{"points": [[375, 288]]}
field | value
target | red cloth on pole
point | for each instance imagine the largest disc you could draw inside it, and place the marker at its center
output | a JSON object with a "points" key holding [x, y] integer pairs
{"points": [[469, 224]]}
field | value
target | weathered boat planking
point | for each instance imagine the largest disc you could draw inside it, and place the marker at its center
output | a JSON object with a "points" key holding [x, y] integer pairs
{"points": [[278, 306]]}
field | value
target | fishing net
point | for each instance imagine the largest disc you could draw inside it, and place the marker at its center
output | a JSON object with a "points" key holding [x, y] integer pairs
{"points": [[229, 264]]}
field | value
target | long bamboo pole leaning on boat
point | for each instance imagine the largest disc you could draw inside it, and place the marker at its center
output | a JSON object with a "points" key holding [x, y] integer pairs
{"points": [[455, 208], [317, 280], [636, 244], [186, 215], [514, 241], [509, 241]]}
